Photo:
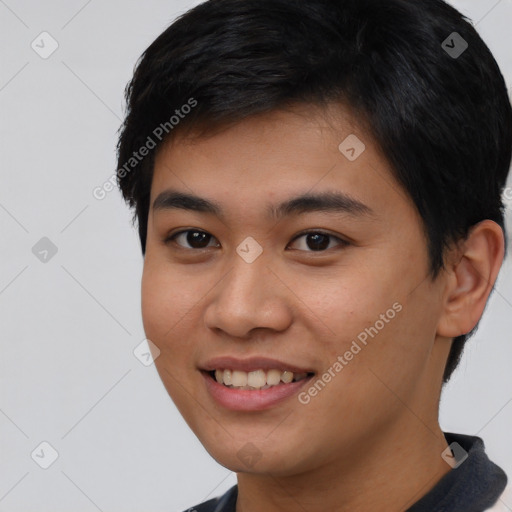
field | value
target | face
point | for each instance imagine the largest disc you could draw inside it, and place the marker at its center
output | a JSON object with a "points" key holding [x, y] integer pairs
{"points": [[277, 251]]}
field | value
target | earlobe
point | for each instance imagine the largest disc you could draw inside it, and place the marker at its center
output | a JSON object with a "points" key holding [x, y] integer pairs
{"points": [[470, 279]]}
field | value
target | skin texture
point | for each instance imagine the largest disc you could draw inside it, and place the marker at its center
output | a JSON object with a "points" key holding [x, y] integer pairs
{"points": [[371, 437]]}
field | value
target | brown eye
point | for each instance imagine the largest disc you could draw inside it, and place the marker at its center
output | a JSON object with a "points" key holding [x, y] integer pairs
{"points": [[316, 241], [194, 238]]}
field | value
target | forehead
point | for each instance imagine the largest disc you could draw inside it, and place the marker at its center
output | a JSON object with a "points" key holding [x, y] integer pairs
{"points": [[269, 158]]}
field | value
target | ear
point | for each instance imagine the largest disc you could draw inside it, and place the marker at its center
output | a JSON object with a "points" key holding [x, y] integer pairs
{"points": [[471, 273]]}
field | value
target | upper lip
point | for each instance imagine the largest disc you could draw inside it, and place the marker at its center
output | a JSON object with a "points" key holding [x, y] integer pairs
{"points": [[251, 364]]}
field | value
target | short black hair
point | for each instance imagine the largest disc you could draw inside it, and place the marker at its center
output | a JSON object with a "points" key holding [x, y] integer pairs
{"points": [[439, 111]]}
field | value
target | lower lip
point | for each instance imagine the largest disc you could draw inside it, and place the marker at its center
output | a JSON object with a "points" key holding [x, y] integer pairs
{"points": [[247, 400]]}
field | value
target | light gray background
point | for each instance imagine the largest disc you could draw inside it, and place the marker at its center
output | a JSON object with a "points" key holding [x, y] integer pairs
{"points": [[68, 327]]}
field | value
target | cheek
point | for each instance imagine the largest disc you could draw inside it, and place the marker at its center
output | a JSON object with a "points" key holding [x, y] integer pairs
{"points": [[168, 317], [372, 313], [155, 299], [167, 302], [345, 303]]}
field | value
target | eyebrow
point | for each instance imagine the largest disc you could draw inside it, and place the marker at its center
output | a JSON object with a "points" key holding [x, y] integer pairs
{"points": [[329, 201]]}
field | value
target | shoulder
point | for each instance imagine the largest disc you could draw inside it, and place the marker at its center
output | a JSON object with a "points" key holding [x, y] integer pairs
{"points": [[504, 501], [224, 503], [207, 506]]}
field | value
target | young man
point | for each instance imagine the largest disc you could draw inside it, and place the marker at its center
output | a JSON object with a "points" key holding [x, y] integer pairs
{"points": [[318, 193]]}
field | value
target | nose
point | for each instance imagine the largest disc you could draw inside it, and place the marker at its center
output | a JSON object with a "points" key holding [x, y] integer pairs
{"points": [[249, 297]]}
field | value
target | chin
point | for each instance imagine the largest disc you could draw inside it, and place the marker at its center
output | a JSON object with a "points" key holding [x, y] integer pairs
{"points": [[246, 454]]}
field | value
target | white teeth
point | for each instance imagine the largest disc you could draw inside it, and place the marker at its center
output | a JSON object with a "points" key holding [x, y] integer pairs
{"points": [[257, 379], [273, 377], [286, 377], [239, 379]]}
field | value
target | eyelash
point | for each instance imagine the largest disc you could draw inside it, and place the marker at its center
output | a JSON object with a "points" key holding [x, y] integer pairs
{"points": [[342, 243]]}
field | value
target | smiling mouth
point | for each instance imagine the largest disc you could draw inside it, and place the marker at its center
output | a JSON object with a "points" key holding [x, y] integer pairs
{"points": [[257, 379]]}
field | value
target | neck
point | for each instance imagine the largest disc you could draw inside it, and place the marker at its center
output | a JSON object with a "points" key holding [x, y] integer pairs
{"points": [[388, 473]]}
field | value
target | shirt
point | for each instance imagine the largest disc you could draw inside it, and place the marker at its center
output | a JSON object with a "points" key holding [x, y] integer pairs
{"points": [[475, 485]]}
